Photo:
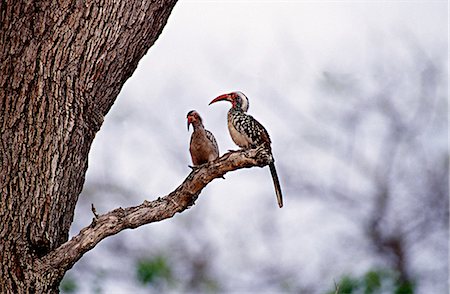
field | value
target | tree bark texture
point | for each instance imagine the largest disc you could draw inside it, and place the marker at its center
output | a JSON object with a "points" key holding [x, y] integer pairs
{"points": [[62, 64]]}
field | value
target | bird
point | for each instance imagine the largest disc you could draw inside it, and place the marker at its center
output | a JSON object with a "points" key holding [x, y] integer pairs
{"points": [[203, 146], [248, 133]]}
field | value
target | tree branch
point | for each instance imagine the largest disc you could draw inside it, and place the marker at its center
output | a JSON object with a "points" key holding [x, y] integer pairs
{"points": [[183, 197]]}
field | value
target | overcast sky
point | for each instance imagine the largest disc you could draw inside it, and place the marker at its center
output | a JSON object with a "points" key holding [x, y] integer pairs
{"points": [[275, 52]]}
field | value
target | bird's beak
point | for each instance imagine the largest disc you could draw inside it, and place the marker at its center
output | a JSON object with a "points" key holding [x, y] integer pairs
{"points": [[226, 97], [188, 122]]}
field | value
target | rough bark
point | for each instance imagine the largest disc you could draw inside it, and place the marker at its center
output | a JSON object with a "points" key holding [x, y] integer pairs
{"points": [[62, 65]]}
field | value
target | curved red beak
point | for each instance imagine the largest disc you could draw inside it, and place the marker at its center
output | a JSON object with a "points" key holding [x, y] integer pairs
{"points": [[226, 97], [189, 121]]}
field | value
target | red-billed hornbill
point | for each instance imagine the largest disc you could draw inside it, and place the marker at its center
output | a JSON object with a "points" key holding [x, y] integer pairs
{"points": [[203, 146], [247, 132]]}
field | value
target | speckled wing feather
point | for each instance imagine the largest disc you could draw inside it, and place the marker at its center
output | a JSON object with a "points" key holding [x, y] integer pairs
{"points": [[246, 125], [212, 139], [248, 132]]}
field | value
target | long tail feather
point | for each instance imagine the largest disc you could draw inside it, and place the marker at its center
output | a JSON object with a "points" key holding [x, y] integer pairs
{"points": [[276, 184]]}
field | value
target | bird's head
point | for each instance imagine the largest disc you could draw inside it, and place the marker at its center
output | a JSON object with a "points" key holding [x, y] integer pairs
{"points": [[237, 99], [193, 118]]}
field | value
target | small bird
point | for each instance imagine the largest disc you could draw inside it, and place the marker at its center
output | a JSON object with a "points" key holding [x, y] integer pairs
{"points": [[247, 132], [203, 146]]}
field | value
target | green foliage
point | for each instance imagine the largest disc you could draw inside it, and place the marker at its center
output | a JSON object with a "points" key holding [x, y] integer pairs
{"points": [[347, 285], [68, 285], [154, 270], [405, 288], [374, 282]]}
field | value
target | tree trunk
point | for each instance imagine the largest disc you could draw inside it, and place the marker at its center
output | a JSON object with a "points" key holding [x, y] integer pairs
{"points": [[62, 64]]}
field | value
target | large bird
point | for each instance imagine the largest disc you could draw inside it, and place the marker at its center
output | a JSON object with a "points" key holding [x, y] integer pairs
{"points": [[247, 132], [203, 146]]}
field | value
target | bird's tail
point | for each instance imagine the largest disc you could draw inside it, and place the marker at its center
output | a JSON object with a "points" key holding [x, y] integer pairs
{"points": [[276, 184]]}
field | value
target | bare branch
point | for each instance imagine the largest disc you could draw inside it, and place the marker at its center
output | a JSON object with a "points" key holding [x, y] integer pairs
{"points": [[64, 257], [336, 287], [94, 211]]}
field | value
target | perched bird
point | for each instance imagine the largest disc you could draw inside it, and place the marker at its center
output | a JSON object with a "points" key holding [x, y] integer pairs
{"points": [[247, 132], [203, 146]]}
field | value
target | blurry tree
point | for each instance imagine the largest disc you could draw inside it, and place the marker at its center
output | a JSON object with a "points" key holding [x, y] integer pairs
{"points": [[381, 130], [63, 64], [373, 282], [154, 271], [384, 130]]}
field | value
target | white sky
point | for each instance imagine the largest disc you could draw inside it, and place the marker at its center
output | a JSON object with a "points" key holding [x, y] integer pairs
{"points": [[270, 50]]}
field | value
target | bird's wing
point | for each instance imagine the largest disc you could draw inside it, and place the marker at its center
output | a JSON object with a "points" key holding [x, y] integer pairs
{"points": [[255, 131], [212, 139]]}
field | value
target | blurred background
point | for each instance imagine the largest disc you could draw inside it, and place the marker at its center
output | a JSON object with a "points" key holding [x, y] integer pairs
{"points": [[354, 96]]}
